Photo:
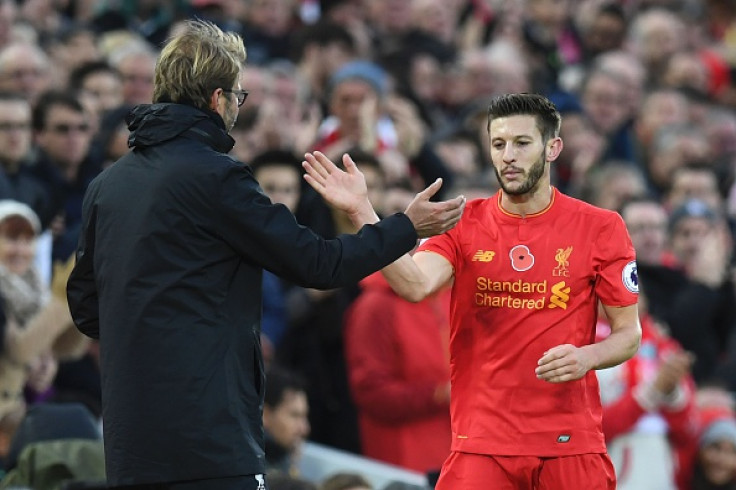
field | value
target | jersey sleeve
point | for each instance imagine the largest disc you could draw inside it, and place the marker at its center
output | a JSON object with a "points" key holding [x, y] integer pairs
{"points": [[444, 245], [617, 282]]}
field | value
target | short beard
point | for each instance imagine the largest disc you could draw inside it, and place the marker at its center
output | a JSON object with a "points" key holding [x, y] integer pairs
{"points": [[532, 179]]}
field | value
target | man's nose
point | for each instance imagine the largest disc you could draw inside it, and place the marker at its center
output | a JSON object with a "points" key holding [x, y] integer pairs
{"points": [[508, 153]]}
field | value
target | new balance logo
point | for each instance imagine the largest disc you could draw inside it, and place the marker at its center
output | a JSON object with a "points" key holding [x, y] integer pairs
{"points": [[261, 482], [483, 256]]}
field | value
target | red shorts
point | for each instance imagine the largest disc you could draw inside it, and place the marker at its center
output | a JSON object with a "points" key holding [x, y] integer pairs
{"points": [[467, 471]]}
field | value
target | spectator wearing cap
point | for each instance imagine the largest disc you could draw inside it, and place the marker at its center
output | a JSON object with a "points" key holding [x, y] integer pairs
{"points": [[716, 466], [34, 321], [712, 462], [356, 96], [365, 113]]}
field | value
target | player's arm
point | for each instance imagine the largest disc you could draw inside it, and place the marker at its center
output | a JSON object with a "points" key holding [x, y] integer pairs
{"points": [[567, 362], [624, 340], [414, 277]]}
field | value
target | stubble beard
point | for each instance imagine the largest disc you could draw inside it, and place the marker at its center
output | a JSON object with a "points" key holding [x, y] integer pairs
{"points": [[532, 179], [232, 118]]}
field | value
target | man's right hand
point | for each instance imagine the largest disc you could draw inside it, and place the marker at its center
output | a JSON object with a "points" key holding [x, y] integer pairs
{"points": [[433, 218], [346, 190]]}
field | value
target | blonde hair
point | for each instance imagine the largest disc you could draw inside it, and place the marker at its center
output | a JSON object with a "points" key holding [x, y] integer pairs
{"points": [[198, 60]]}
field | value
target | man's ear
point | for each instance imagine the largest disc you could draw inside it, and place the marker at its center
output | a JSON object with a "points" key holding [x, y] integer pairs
{"points": [[554, 148], [214, 98]]}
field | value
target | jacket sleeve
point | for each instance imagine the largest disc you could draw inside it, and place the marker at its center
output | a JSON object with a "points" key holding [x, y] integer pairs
{"points": [[267, 234], [81, 288]]}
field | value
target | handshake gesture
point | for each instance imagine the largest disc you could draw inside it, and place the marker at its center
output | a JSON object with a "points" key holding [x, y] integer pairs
{"points": [[346, 190]]}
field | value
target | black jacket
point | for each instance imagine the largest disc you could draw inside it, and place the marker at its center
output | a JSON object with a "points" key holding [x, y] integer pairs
{"points": [[168, 277]]}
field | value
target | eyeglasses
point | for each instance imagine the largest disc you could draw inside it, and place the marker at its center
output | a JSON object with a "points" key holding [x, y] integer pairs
{"points": [[64, 128], [240, 94], [6, 127], [21, 73]]}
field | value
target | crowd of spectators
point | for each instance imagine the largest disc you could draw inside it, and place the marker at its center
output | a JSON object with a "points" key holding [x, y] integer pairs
{"points": [[647, 91]]}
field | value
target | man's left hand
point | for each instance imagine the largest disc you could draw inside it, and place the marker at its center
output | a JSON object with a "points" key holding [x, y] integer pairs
{"points": [[564, 363]]}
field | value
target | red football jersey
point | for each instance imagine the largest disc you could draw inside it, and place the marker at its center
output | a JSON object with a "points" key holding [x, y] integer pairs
{"points": [[521, 287]]}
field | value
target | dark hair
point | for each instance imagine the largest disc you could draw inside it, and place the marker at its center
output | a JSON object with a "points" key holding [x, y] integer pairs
{"points": [[80, 73], [281, 481], [539, 106], [279, 380], [50, 100], [110, 123], [271, 158], [634, 200], [323, 33], [15, 226], [614, 10], [12, 97], [65, 35], [363, 158], [343, 481]]}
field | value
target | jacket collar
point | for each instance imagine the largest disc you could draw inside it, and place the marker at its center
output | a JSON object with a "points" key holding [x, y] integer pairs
{"points": [[153, 124]]}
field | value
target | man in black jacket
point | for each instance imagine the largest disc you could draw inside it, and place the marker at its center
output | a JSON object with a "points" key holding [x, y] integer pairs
{"points": [[175, 237]]}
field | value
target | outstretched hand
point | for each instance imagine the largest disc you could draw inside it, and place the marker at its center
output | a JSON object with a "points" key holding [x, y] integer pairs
{"points": [[346, 189], [433, 218]]}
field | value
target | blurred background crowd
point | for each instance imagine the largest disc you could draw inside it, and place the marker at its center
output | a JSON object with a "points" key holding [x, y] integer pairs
{"points": [[647, 91]]}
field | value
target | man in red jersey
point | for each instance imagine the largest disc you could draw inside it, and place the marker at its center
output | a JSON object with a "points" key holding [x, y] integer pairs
{"points": [[528, 267]]}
